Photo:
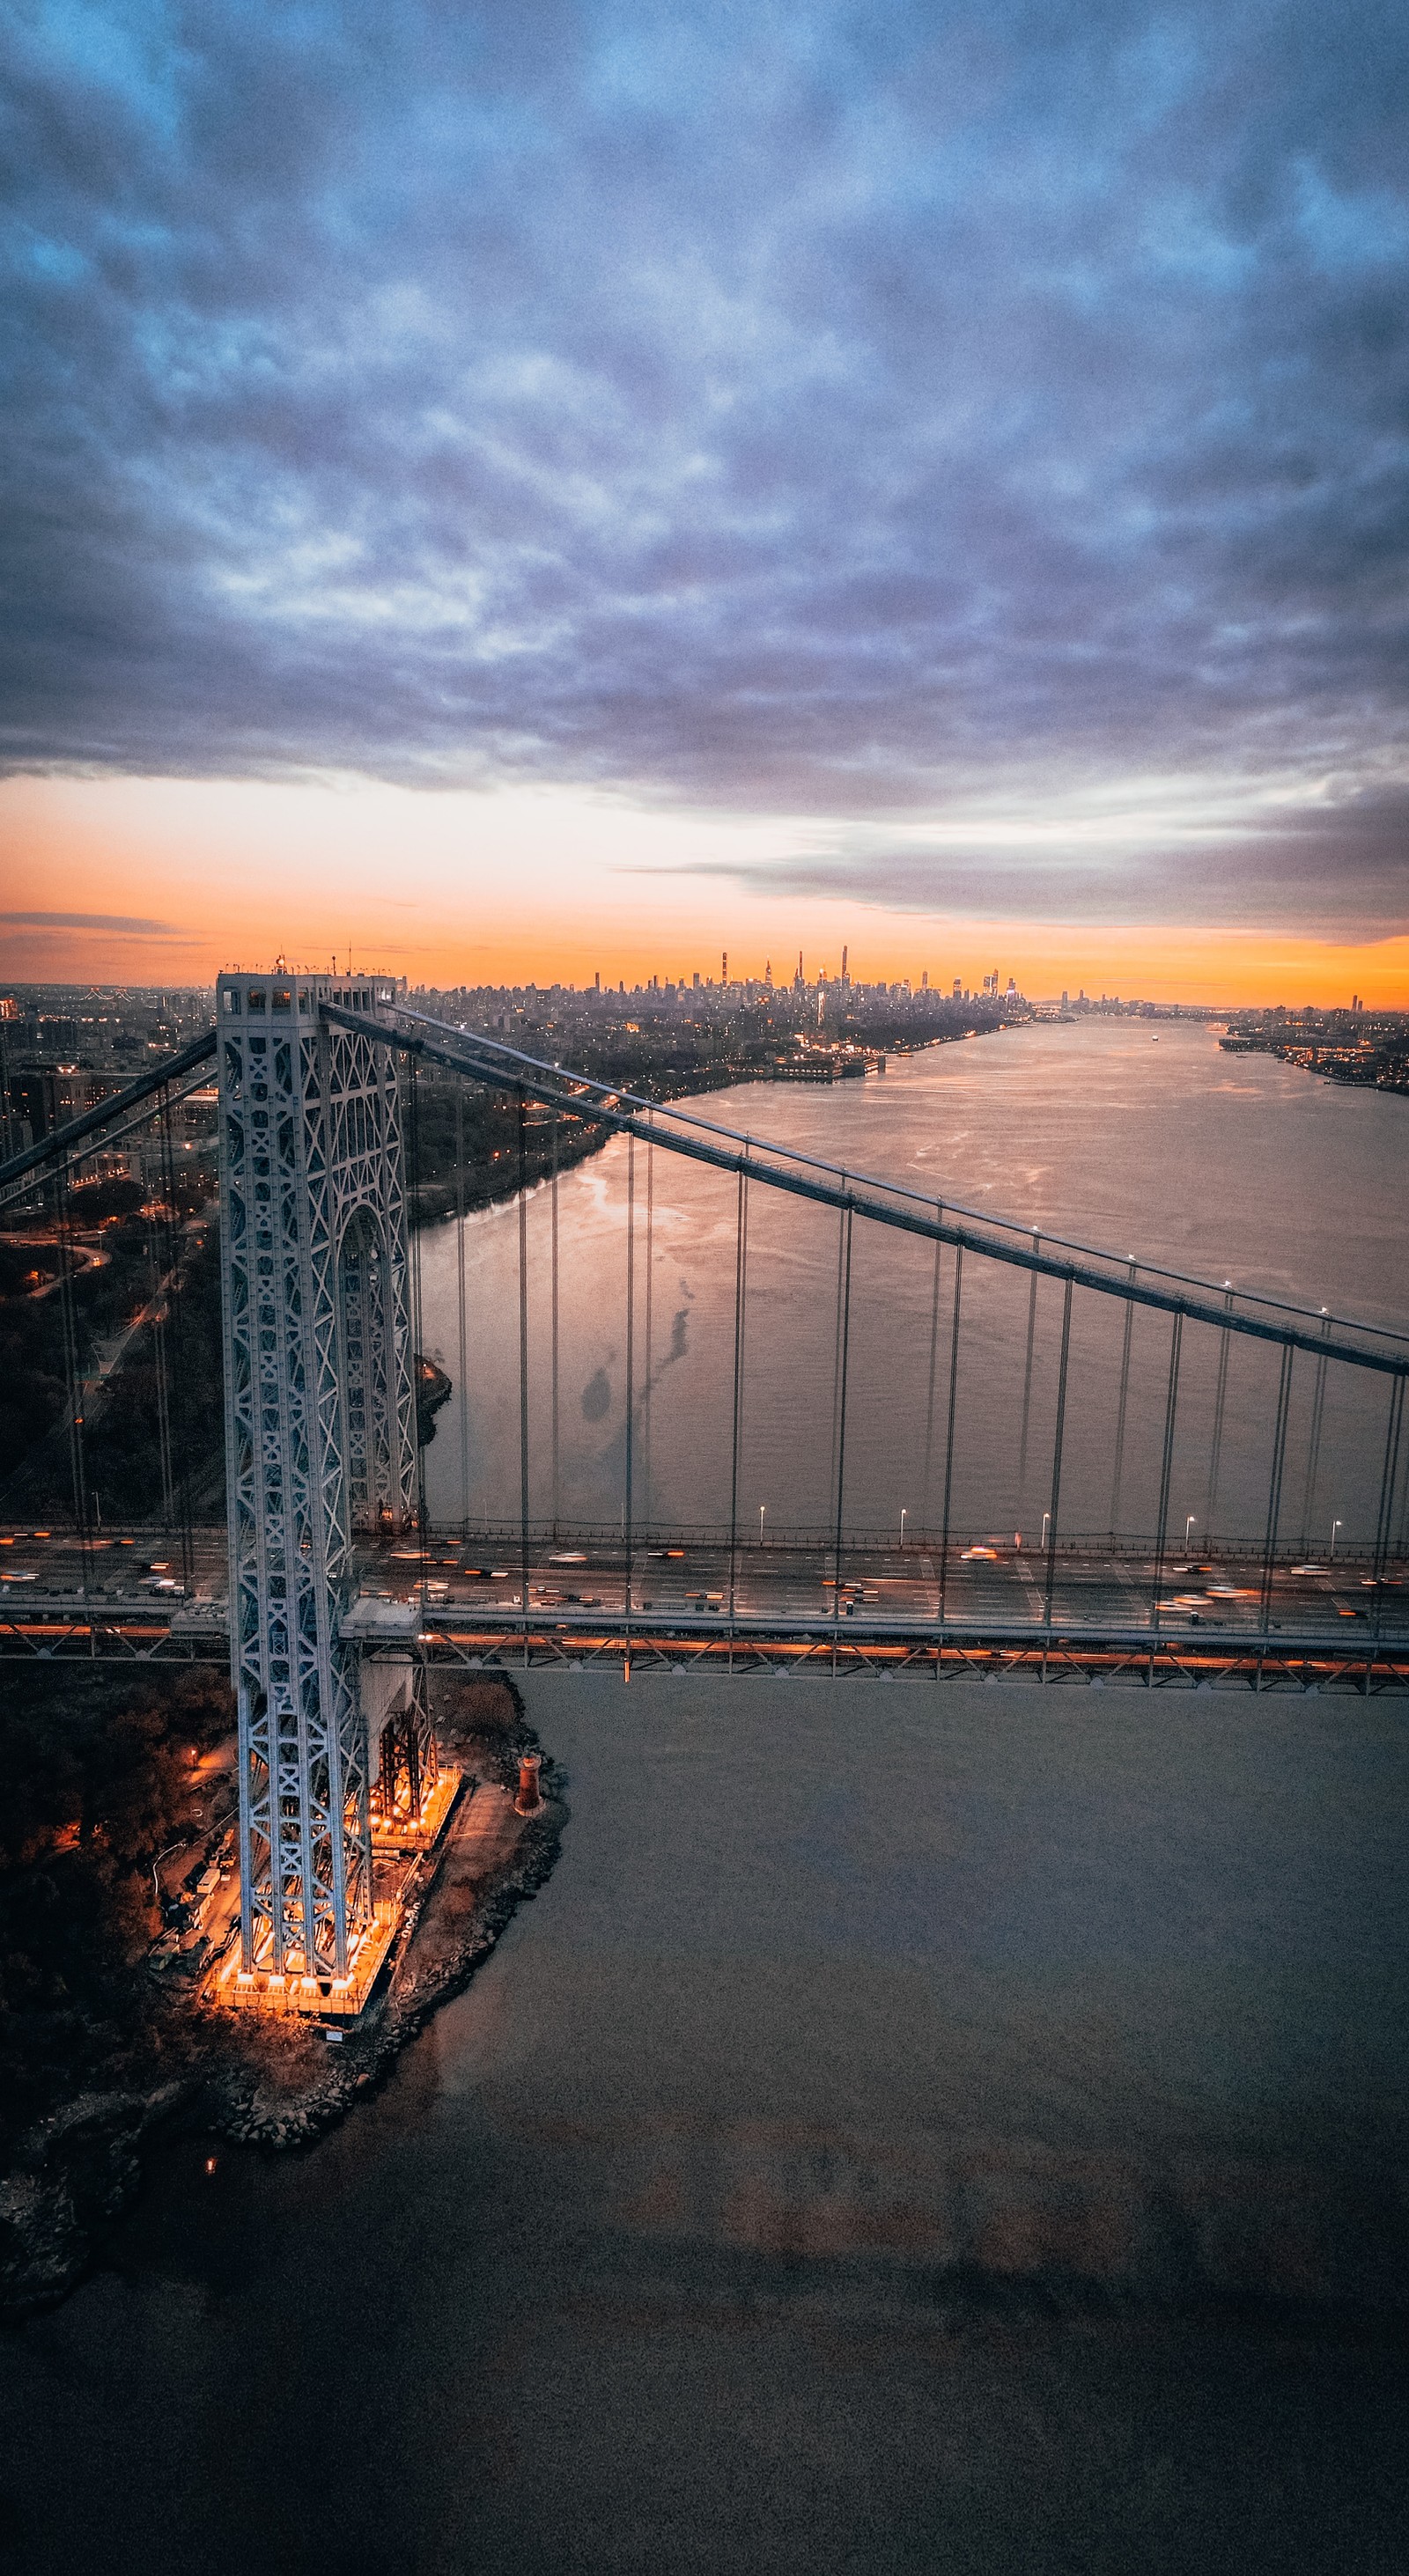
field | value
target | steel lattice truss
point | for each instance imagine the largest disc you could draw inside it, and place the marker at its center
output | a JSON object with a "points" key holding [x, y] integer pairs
{"points": [[319, 1439]]}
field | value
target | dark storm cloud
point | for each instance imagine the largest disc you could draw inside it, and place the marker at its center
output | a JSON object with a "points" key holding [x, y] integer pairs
{"points": [[1335, 871], [834, 409]]}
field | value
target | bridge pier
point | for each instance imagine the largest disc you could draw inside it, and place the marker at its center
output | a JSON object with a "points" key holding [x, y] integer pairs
{"points": [[320, 1439]]}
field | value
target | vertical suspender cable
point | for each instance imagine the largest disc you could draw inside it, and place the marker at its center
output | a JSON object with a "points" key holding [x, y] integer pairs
{"points": [[836, 1349], [460, 1308], [1384, 1525], [523, 1369], [934, 1353], [1057, 1457], [1220, 1399], [1166, 1472], [68, 1319], [841, 1425], [1388, 1479], [1274, 1488], [949, 1433], [159, 1366], [181, 1446], [557, 1488], [628, 1513], [417, 1336], [1313, 1449], [741, 1237], [647, 1387], [410, 1725], [1027, 1378], [1120, 1418]]}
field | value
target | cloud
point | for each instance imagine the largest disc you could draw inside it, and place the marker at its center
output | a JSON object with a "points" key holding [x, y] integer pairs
{"points": [[1337, 871], [828, 411], [125, 924]]}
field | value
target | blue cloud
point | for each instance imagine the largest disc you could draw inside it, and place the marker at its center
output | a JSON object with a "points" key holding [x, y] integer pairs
{"points": [[819, 408]]}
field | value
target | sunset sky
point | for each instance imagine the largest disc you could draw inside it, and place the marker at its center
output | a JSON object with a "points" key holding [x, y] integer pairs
{"points": [[529, 490]]}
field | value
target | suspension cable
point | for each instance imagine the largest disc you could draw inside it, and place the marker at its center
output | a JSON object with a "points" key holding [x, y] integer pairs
{"points": [[1118, 1468], [180, 1442], [1388, 1479], [1313, 1451], [553, 1367], [628, 1508], [73, 1379], [418, 1356], [1027, 1379], [929, 1399], [1166, 1469], [1385, 1521], [836, 1347], [741, 1239], [1220, 1400], [78, 1137], [627, 1103], [1057, 1455], [1146, 1283], [523, 1368], [460, 1310], [157, 1280], [949, 1435], [841, 1431], [648, 1389], [1274, 1490]]}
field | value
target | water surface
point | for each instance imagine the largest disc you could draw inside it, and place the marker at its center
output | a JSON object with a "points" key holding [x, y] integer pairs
{"points": [[1230, 1167], [910, 2129]]}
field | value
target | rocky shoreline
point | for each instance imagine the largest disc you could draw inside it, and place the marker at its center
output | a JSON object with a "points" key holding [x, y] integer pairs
{"points": [[273, 2085]]}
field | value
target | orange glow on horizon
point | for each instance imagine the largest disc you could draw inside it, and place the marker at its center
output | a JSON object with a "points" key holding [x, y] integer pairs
{"points": [[171, 879]]}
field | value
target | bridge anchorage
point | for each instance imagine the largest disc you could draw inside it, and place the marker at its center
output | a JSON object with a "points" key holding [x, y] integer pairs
{"points": [[1093, 1377]]}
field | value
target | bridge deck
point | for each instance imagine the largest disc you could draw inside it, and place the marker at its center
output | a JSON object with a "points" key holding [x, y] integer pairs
{"points": [[462, 1603]]}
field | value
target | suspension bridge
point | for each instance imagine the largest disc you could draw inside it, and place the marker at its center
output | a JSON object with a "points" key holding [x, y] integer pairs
{"points": [[1113, 1389]]}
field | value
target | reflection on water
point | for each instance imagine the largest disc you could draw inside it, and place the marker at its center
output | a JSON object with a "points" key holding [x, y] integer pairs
{"points": [[1228, 1167]]}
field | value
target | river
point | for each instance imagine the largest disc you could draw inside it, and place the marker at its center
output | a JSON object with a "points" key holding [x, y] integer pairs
{"points": [[908, 2130], [914, 2127], [1105, 1131]]}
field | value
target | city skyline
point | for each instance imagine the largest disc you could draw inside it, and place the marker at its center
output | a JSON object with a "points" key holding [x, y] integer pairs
{"points": [[217, 864]]}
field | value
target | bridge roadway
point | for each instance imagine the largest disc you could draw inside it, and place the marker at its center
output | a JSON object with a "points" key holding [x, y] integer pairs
{"points": [[131, 1590]]}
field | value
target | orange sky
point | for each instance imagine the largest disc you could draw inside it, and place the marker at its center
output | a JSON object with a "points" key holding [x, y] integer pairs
{"points": [[185, 876]]}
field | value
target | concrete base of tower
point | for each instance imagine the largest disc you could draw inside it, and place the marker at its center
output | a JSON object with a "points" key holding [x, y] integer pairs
{"points": [[258, 1989], [402, 1848], [405, 1833]]}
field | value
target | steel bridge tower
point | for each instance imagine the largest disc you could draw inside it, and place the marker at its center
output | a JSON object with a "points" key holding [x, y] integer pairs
{"points": [[320, 1440]]}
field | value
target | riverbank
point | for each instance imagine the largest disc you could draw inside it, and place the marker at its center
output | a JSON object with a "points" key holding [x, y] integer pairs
{"points": [[456, 1123], [1340, 1046], [176, 2067]]}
